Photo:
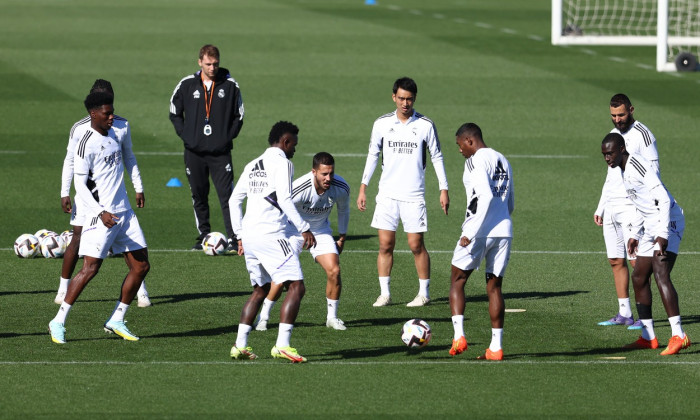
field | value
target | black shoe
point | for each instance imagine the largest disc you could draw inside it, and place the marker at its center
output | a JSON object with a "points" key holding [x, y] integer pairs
{"points": [[232, 246], [197, 246]]}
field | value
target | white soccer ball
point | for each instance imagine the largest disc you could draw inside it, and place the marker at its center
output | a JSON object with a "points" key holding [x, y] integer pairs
{"points": [[67, 236], [42, 233], [214, 243], [52, 246], [416, 333], [26, 246]]}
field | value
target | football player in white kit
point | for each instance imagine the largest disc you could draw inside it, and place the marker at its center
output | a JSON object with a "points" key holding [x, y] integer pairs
{"points": [[269, 256], [487, 233], [121, 129], [111, 223], [616, 213], [656, 246], [314, 195], [402, 137]]}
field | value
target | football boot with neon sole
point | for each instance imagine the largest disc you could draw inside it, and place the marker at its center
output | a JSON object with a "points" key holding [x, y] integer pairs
{"points": [[676, 344], [458, 346], [643, 343], [288, 353]]}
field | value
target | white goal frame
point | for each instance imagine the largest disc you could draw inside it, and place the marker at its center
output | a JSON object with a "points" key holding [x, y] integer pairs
{"points": [[661, 40]]}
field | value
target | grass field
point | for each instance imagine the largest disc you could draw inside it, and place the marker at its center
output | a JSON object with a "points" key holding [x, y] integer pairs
{"points": [[328, 66]]}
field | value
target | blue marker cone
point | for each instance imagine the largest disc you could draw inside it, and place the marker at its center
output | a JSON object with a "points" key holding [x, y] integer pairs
{"points": [[174, 182], [370, 2]]}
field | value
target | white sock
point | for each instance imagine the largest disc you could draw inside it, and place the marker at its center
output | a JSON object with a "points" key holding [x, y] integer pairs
{"points": [[142, 289], [62, 313], [648, 329], [424, 288], [63, 285], [625, 309], [384, 285], [266, 308], [496, 339], [284, 335], [332, 308], [676, 328], [242, 336], [119, 312], [458, 324]]}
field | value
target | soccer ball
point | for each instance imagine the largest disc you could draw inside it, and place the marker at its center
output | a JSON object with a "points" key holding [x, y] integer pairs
{"points": [[67, 236], [26, 246], [52, 246], [214, 243], [42, 233], [416, 333]]}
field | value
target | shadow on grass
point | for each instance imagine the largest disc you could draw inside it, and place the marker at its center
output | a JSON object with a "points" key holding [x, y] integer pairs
{"points": [[369, 352], [27, 292]]}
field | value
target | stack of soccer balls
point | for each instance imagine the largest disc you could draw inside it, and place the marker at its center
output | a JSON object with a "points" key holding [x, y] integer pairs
{"points": [[45, 242], [214, 244], [416, 333]]}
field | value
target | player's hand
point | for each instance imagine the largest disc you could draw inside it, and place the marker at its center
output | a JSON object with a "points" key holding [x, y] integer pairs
{"points": [[598, 220], [108, 219], [140, 200], [444, 201], [362, 200], [632, 247], [309, 239], [240, 247], [66, 204], [660, 245], [464, 241]]}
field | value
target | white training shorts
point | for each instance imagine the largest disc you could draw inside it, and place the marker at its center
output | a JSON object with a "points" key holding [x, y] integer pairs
{"points": [[645, 248], [412, 214], [620, 223], [496, 251], [77, 214], [325, 244], [125, 236], [271, 258]]}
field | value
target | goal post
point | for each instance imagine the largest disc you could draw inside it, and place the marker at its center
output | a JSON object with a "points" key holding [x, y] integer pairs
{"points": [[673, 26]]}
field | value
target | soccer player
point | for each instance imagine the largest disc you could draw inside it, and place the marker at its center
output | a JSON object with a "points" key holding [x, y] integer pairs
{"points": [[616, 213], [111, 223], [122, 130], [314, 196], [487, 233], [656, 247], [267, 183], [402, 137]]}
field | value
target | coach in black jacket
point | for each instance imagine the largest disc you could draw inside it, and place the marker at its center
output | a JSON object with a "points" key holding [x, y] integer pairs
{"points": [[206, 110]]}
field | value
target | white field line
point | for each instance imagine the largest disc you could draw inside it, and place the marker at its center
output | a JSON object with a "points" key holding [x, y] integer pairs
{"points": [[351, 363]]}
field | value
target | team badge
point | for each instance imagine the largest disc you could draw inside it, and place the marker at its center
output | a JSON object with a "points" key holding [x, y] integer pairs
{"points": [[221, 93], [196, 94]]}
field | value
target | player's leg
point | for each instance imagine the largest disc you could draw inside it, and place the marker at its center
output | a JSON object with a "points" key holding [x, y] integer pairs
{"points": [[221, 168], [385, 262], [662, 266], [331, 265], [198, 178], [641, 276], [615, 244], [497, 308], [458, 279], [422, 262], [260, 280], [288, 315], [274, 293], [70, 260], [139, 266]]}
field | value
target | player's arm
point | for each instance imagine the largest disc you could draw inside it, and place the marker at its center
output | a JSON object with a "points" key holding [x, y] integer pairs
{"points": [[663, 203], [132, 168], [604, 194], [238, 111], [282, 181], [343, 210], [375, 148], [177, 109], [67, 173], [438, 165], [511, 192], [483, 196], [235, 203]]}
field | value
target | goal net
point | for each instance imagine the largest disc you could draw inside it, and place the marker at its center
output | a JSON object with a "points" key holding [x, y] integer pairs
{"points": [[673, 26]]}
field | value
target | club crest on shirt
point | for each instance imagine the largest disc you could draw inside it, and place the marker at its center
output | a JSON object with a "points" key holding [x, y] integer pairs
{"points": [[196, 94], [221, 93]]}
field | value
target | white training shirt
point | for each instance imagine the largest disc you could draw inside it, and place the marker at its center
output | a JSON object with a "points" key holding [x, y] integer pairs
{"points": [[403, 148], [267, 182], [123, 133], [99, 172], [488, 181], [639, 140], [316, 209], [649, 195]]}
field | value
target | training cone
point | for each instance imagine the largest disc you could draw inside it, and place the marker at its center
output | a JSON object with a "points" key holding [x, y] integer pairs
{"points": [[174, 182], [370, 2]]}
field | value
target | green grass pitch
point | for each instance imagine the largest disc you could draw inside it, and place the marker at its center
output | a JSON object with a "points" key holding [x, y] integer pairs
{"points": [[328, 66]]}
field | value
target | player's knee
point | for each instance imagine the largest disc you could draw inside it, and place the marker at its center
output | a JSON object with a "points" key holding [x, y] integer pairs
{"points": [[333, 274], [141, 268]]}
